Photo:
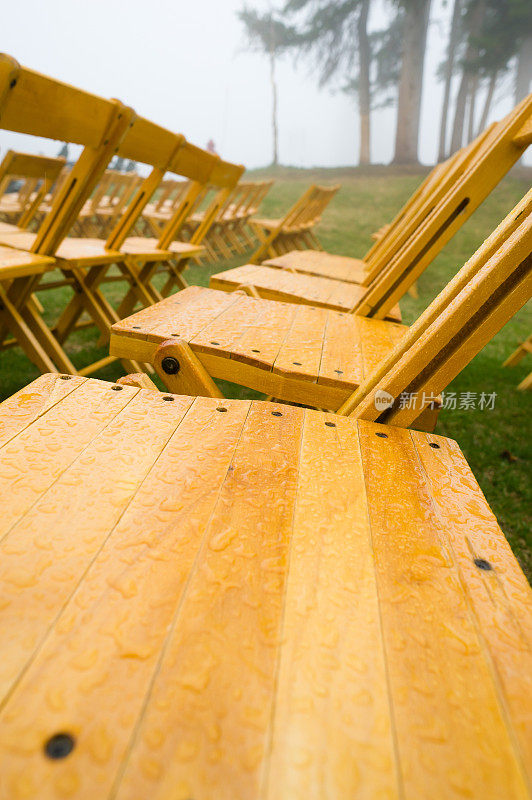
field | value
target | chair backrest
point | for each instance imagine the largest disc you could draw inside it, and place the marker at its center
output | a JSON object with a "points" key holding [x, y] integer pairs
{"points": [[494, 284], [40, 106], [418, 205], [261, 190], [113, 192], [501, 148], [155, 146], [39, 173], [204, 170]]}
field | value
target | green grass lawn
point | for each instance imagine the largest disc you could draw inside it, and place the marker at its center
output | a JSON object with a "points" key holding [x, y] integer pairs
{"points": [[496, 442]]}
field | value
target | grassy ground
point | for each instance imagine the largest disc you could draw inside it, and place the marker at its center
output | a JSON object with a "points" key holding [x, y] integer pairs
{"points": [[497, 442]]}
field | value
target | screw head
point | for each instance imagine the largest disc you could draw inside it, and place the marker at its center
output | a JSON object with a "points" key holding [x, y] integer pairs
{"points": [[117, 388], [382, 435], [434, 445], [170, 365], [481, 563], [331, 424], [60, 745]]}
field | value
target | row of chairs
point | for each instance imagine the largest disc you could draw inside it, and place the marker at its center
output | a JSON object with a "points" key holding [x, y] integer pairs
{"points": [[40, 178], [104, 128], [321, 329], [269, 601]]}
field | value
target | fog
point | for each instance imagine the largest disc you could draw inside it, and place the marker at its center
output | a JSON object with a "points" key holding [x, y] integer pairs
{"points": [[184, 65]]}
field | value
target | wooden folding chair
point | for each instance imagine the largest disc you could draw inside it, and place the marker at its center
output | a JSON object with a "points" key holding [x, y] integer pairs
{"points": [[319, 357], [38, 175], [224, 235], [139, 258], [399, 267], [524, 349], [212, 181], [251, 210], [275, 235], [85, 262], [238, 599], [35, 104], [112, 195], [466, 179], [157, 213]]}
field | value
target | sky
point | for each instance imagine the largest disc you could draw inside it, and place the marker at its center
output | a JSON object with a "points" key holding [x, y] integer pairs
{"points": [[184, 65]]}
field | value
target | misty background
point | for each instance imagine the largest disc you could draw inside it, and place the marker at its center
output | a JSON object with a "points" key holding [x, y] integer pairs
{"points": [[188, 66]]}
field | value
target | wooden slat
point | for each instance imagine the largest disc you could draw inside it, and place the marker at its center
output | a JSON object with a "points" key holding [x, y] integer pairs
{"points": [[31, 402], [332, 712], [376, 343], [139, 575], [273, 284], [261, 343], [302, 348], [317, 262], [85, 413], [182, 315], [499, 595], [226, 330], [205, 732], [60, 555], [342, 359], [445, 706]]}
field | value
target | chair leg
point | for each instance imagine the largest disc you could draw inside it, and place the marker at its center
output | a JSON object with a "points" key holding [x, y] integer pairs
{"points": [[11, 318], [181, 371]]}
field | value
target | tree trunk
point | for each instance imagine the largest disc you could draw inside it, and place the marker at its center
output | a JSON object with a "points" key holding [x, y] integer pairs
{"points": [[364, 99], [275, 129], [411, 81], [468, 75], [449, 67], [473, 88], [459, 113], [487, 102], [523, 75]]}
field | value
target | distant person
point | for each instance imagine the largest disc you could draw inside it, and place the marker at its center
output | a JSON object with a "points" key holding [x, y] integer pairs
{"points": [[211, 147]]}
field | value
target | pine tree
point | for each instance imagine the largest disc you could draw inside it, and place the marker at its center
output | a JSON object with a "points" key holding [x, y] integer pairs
{"points": [[267, 34]]}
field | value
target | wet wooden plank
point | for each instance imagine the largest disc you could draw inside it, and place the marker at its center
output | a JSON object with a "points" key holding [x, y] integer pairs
{"points": [[227, 329], [497, 590], [275, 284], [332, 685], [108, 640], [24, 407], [218, 598], [301, 351], [205, 732], [317, 262], [342, 362], [446, 707]]}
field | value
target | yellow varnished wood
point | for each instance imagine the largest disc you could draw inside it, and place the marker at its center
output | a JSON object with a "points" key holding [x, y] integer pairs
{"points": [[285, 350], [344, 643]]}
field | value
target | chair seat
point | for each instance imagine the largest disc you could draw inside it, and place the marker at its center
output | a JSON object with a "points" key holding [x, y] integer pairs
{"points": [[195, 603], [317, 262], [18, 263], [276, 284], [8, 227], [261, 340], [77, 252], [267, 223], [140, 245]]}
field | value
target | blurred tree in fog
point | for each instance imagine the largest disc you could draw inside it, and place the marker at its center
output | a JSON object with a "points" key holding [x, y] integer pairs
{"points": [[491, 37], [267, 34], [487, 39]]}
